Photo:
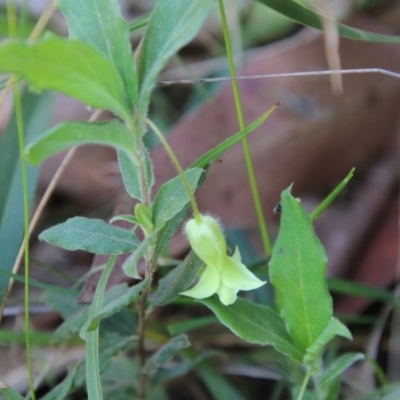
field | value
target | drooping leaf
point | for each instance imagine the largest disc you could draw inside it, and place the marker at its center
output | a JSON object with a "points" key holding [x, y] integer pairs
{"points": [[305, 16], [90, 333], [177, 280], [75, 321], [340, 365], [164, 37], [172, 197], [255, 323], [297, 272], [68, 134], [36, 113], [68, 66], [165, 353], [92, 235], [131, 174], [100, 24]]}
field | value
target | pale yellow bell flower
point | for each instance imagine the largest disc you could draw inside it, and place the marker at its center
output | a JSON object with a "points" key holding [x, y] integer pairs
{"points": [[224, 275]]}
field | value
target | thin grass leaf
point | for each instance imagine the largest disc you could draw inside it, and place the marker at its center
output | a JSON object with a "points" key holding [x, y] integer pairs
{"points": [[226, 144], [36, 113], [40, 285], [305, 16], [8, 393], [332, 196]]}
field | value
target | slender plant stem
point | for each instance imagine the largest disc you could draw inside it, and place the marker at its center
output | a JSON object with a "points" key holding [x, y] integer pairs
{"points": [[304, 385], [21, 140], [38, 29], [175, 161], [12, 28], [246, 148], [143, 379]]}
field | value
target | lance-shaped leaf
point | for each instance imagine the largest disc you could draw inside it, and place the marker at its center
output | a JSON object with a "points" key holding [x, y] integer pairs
{"points": [[305, 16], [68, 66], [176, 281], [99, 23], [255, 323], [172, 197], [60, 137], [297, 272], [165, 353], [92, 235], [173, 23]]}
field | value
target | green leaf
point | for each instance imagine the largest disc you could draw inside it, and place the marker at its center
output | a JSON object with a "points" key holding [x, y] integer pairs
{"points": [[172, 197], [130, 264], [91, 336], [36, 113], [8, 393], [92, 235], [172, 24], [334, 327], [255, 323], [61, 391], [99, 23], [75, 321], [217, 384], [165, 353], [115, 301], [305, 16], [165, 234], [338, 366], [111, 133], [297, 272], [226, 144], [69, 66], [177, 281], [130, 173]]}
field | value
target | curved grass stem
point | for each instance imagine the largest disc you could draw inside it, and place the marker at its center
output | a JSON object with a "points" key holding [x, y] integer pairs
{"points": [[246, 148], [175, 161]]}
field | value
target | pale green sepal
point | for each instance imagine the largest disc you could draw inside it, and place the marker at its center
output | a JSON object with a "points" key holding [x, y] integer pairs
{"points": [[206, 286]]}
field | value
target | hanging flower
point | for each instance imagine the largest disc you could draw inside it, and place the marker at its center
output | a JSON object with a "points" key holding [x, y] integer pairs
{"points": [[224, 275]]}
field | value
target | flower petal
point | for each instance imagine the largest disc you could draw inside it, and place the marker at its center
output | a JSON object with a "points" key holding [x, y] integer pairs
{"points": [[227, 295], [235, 275], [206, 286], [206, 238]]}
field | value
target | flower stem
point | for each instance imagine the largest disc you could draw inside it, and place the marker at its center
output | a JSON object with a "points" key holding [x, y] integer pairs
{"points": [[304, 385], [175, 161], [246, 149]]}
